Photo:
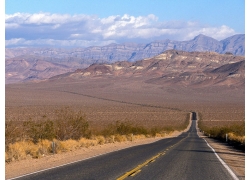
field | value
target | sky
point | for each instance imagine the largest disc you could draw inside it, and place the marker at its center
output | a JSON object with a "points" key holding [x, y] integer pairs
{"points": [[83, 23]]}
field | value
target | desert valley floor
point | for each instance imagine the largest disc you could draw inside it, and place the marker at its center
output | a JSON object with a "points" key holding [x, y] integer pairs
{"points": [[108, 99], [105, 100]]}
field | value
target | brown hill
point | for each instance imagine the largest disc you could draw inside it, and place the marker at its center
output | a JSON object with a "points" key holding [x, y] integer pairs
{"points": [[196, 69], [18, 70]]}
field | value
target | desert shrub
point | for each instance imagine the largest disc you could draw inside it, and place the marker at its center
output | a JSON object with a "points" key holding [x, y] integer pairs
{"points": [[70, 125], [13, 132], [66, 125], [126, 127], [36, 130], [154, 130], [235, 131], [70, 130], [123, 128], [139, 130], [34, 138]]}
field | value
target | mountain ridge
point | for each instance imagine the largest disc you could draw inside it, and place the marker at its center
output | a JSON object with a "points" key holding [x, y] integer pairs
{"points": [[66, 60], [172, 67]]}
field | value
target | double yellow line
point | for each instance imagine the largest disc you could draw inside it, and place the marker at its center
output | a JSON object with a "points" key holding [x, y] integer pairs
{"points": [[137, 169]]}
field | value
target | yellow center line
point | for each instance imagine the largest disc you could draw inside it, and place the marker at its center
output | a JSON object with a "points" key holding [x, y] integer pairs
{"points": [[135, 173], [137, 169]]}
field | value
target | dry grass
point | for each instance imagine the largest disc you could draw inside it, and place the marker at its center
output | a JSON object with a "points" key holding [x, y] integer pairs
{"points": [[233, 137], [71, 128], [87, 142], [27, 149], [67, 145], [235, 129]]}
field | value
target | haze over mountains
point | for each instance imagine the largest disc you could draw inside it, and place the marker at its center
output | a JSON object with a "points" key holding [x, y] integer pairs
{"points": [[24, 64]]}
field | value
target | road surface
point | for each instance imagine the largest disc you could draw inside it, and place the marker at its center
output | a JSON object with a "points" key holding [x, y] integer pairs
{"points": [[184, 157]]}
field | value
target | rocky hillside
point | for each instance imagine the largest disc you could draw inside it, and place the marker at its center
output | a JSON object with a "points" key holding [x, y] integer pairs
{"points": [[197, 69], [20, 61]]}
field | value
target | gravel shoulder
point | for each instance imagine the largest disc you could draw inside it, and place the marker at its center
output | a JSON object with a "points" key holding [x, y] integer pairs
{"points": [[234, 158]]}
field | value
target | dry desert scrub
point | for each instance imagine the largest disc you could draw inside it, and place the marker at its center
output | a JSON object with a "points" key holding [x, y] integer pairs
{"points": [[70, 130], [218, 129], [27, 149]]}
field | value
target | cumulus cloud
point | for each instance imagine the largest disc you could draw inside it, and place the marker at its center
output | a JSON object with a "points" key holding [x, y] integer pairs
{"points": [[23, 29]]}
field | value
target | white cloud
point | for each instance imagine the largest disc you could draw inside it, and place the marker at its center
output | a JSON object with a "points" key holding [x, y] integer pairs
{"points": [[79, 30], [44, 18], [55, 43], [14, 41]]}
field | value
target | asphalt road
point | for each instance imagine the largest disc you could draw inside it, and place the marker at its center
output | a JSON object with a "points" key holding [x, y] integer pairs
{"points": [[184, 157]]}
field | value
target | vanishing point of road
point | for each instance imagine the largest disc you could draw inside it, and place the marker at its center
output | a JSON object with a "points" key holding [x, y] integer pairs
{"points": [[184, 157]]}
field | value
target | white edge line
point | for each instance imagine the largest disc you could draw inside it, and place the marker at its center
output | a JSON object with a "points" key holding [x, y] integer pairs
{"points": [[223, 163], [55, 167]]}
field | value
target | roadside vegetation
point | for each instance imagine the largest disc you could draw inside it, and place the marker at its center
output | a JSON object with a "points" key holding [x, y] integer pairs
{"points": [[69, 130], [234, 130]]}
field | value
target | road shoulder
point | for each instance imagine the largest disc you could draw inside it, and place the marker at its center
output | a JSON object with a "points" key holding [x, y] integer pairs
{"points": [[234, 158]]}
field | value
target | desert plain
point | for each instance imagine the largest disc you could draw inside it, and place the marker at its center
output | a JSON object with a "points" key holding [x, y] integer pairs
{"points": [[108, 99], [105, 100]]}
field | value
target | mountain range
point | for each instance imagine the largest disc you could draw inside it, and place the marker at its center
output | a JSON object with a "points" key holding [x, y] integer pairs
{"points": [[25, 64], [172, 67]]}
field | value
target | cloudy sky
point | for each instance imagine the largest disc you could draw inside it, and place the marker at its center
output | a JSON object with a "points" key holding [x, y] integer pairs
{"points": [[82, 23]]}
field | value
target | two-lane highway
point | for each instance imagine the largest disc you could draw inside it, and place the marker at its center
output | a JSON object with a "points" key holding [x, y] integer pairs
{"points": [[191, 158], [184, 157]]}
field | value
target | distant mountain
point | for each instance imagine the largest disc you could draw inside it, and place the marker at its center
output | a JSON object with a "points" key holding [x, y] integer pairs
{"points": [[23, 70], [196, 69], [234, 44], [66, 60], [200, 43]]}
